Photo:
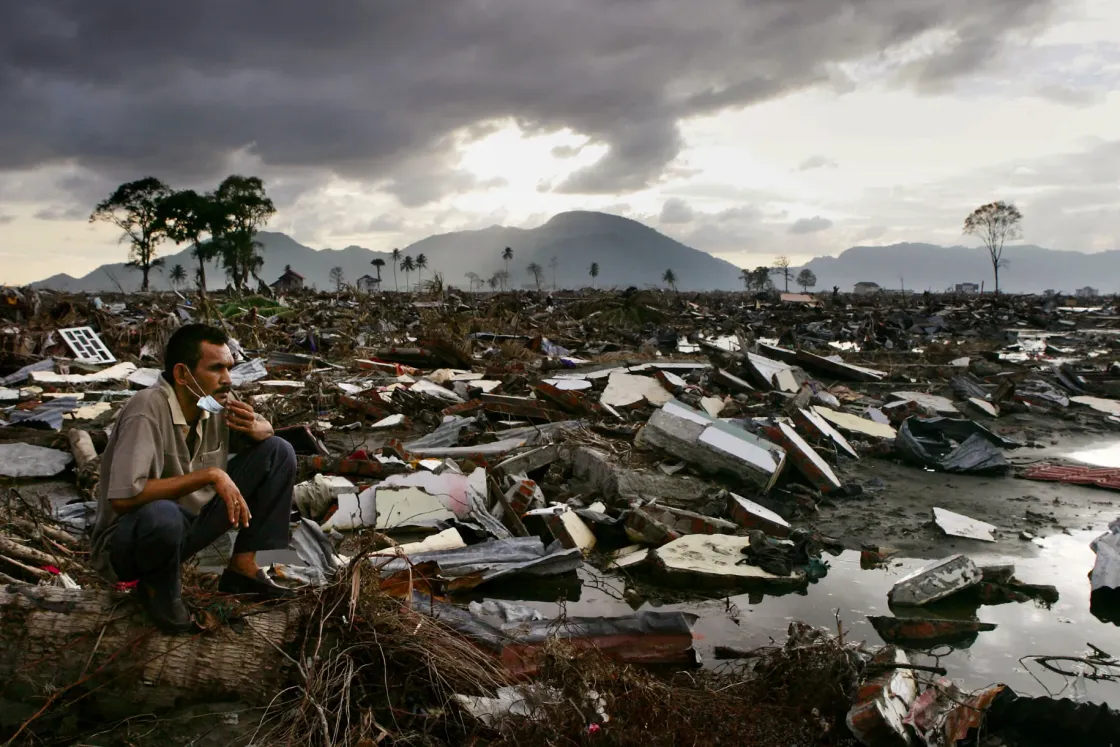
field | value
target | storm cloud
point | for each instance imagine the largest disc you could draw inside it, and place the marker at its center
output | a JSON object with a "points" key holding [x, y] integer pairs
{"points": [[376, 91]]}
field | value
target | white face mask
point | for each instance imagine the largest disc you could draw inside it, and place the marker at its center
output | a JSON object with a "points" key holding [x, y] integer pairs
{"points": [[205, 402]]}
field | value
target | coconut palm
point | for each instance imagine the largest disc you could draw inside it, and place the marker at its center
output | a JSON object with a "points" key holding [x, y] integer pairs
{"points": [[594, 272], [378, 263], [507, 255], [670, 279], [408, 265], [396, 259], [178, 276], [421, 264]]}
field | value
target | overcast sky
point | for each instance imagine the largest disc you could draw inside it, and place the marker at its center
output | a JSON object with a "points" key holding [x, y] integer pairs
{"points": [[746, 128]]}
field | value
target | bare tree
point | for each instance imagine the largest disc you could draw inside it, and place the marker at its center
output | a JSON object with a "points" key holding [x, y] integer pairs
{"points": [[806, 279], [781, 267], [994, 224], [537, 272], [503, 278], [337, 278], [474, 279]]}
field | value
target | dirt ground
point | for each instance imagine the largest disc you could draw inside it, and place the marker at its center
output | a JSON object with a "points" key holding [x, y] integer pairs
{"points": [[895, 509]]}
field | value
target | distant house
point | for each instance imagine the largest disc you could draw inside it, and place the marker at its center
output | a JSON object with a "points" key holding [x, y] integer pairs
{"points": [[968, 288], [1086, 292], [368, 284], [866, 287], [288, 282]]}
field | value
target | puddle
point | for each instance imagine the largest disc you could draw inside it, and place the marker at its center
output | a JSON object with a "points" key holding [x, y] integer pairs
{"points": [[1105, 456], [751, 620]]}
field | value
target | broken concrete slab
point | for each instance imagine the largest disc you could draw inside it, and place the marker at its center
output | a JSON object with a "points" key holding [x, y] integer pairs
{"points": [[630, 556], [713, 446], [818, 429], [601, 473], [25, 460], [712, 560], [117, 374], [529, 461], [804, 457], [712, 405], [959, 525], [750, 515], [1107, 406], [627, 390], [853, 424], [773, 374], [935, 581], [939, 405]]}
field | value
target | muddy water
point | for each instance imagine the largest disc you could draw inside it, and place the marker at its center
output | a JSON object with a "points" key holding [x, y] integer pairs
{"points": [[747, 621]]}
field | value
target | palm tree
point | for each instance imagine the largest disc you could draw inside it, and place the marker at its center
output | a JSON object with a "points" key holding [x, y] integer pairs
{"points": [[396, 259], [594, 272], [507, 255], [536, 271], [178, 275], [670, 279], [378, 263], [421, 263], [408, 265]]}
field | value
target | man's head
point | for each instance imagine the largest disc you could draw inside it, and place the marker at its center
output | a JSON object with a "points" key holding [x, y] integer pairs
{"points": [[198, 360]]}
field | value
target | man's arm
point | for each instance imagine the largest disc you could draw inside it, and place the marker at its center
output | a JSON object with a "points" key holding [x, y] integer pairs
{"points": [[242, 418], [174, 488]]}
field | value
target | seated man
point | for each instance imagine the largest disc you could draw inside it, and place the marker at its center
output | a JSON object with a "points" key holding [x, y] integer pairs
{"points": [[169, 487]]}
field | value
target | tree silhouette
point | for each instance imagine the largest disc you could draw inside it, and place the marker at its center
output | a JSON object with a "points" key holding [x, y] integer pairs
{"points": [[396, 260], [994, 224], [178, 276], [135, 208], [507, 255], [474, 280], [408, 265], [493, 281], [747, 277], [536, 271], [594, 272], [245, 208], [670, 279], [503, 278], [806, 279], [554, 263], [337, 278], [421, 263], [378, 263], [186, 215], [781, 267]]}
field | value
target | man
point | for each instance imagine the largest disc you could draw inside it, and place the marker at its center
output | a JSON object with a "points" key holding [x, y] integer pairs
{"points": [[169, 487]]}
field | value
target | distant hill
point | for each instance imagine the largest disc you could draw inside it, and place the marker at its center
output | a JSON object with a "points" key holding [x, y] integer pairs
{"points": [[937, 268], [628, 253]]}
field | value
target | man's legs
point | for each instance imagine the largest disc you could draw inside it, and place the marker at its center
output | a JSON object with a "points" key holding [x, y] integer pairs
{"points": [[147, 547], [265, 474]]}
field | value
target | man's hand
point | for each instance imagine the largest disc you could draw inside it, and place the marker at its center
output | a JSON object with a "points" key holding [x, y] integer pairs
{"points": [[236, 507], [240, 416]]}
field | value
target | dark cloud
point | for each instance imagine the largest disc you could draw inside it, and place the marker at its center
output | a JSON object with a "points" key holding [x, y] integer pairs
{"points": [[6, 219], [675, 210], [62, 212], [372, 91], [816, 162], [810, 225]]}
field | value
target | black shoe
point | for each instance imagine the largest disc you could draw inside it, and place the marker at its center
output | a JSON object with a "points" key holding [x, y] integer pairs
{"points": [[260, 585], [168, 613]]}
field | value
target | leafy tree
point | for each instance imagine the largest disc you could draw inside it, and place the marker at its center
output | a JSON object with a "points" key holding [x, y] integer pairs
{"points": [[245, 208], [421, 263], [994, 224], [337, 278], [507, 255], [806, 279], [186, 216], [408, 265], [781, 267], [134, 208], [554, 263], [503, 278], [396, 261], [760, 280], [178, 276], [747, 277], [474, 280], [536, 271], [378, 263], [594, 272], [493, 281], [670, 279]]}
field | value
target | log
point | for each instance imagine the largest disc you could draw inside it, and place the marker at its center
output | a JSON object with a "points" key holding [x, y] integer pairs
{"points": [[56, 641], [18, 551], [81, 446]]}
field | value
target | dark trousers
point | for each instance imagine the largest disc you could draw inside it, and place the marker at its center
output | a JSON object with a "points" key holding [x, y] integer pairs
{"points": [[151, 543]]}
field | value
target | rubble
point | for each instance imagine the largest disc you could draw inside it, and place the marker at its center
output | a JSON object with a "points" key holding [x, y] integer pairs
{"points": [[695, 443]]}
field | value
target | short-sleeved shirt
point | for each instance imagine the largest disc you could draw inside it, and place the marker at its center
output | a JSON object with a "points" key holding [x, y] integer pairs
{"points": [[149, 441]]}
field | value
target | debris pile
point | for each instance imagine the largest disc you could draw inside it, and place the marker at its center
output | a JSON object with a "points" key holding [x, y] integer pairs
{"points": [[459, 446]]}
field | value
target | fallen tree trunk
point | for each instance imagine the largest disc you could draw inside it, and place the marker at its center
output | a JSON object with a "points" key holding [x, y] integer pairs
{"points": [[57, 644]]}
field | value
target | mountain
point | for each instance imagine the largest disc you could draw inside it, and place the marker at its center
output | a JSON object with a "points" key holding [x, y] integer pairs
{"points": [[628, 253], [937, 268]]}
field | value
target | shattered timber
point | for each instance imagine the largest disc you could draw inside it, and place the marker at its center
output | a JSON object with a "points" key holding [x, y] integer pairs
{"points": [[461, 454]]}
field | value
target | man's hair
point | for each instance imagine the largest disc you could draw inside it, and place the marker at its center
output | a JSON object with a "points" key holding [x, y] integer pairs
{"points": [[185, 346]]}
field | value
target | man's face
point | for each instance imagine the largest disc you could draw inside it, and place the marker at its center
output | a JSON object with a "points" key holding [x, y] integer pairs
{"points": [[211, 373]]}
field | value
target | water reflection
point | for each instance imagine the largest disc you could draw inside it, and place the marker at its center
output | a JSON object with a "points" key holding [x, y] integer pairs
{"points": [[1104, 456], [850, 594]]}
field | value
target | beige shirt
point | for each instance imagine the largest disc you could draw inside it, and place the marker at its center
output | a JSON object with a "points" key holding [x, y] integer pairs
{"points": [[150, 441]]}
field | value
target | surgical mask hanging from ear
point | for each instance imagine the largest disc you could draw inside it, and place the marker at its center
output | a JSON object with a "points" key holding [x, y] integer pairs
{"points": [[205, 402]]}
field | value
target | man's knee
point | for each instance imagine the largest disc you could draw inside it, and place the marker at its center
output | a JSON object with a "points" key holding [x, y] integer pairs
{"points": [[160, 522], [283, 454]]}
